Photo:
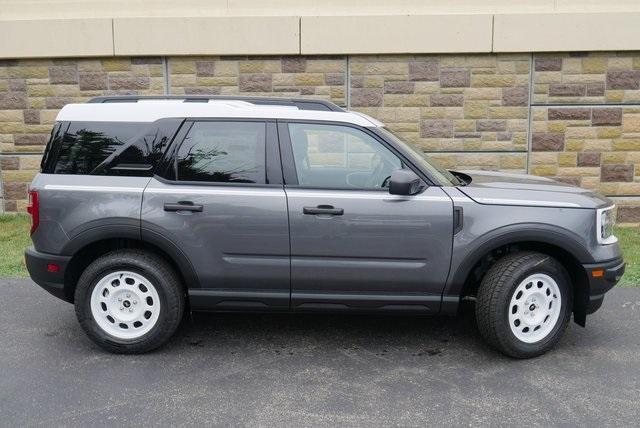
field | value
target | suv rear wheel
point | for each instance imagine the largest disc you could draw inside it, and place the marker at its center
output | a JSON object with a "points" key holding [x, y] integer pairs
{"points": [[129, 301], [524, 304]]}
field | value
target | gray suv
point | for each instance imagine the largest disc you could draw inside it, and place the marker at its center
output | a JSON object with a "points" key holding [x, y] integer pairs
{"points": [[148, 207]]}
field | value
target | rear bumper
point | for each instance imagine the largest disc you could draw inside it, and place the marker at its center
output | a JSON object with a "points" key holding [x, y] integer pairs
{"points": [[600, 283], [37, 265]]}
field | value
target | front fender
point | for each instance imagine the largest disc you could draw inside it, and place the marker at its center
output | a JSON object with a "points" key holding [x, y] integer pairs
{"points": [[468, 254]]}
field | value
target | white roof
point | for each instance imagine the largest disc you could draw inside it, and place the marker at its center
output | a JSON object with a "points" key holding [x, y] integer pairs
{"points": [[152, 110]]}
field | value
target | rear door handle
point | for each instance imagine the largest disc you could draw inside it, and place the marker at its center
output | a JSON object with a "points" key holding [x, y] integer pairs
{"points": [[323, 209], [183, 206]]}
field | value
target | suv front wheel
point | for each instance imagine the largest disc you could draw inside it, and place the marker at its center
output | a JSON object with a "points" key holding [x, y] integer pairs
{"points": [[129, 301], [524, 304]]}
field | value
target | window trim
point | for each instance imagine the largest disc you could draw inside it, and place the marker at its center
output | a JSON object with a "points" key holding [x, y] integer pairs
{"points": [[273, 170], [53, 147], [288, 160]]}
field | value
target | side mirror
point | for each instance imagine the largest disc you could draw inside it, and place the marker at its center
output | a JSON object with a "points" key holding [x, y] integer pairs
{"points": [[404, 182]]}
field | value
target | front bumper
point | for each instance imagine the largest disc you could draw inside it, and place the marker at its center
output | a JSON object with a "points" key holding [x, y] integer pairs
{"points": [[602, 278], [37, 265]]}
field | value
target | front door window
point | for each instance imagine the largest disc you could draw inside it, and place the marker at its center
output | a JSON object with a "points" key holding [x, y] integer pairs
{"points": [[340, 157]]}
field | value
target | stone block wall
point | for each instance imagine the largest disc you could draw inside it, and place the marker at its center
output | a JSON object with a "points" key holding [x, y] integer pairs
{"points": [[587, 78], [469, 112], [575, 118], [595, 147], [323, 77]]}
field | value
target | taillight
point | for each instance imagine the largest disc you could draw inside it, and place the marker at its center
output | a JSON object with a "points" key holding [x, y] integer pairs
{"points": [[34, 210]]}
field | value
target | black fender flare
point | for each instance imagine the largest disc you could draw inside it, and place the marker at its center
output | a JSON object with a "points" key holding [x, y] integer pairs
{"points": [[129, 231], [100, 233], [513, 234]]}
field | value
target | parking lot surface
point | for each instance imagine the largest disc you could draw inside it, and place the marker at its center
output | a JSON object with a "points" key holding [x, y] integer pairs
{"points": [[313, 370]]}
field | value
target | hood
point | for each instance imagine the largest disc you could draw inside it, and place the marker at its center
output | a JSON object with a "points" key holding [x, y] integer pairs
{"points": [[498, 188]]}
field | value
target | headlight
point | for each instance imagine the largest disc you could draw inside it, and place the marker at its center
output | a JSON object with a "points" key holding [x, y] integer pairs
{"points": [[605, 220]]}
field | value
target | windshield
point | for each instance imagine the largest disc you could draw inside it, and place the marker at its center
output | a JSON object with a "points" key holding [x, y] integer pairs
{"points": [[441, 175]]}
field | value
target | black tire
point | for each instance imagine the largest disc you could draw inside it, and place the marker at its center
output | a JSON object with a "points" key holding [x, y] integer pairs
{"points": [[494, 297], [166, 283]]}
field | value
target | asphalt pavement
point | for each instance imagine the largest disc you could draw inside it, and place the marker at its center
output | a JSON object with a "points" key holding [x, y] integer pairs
{"points": [[313, 370]]}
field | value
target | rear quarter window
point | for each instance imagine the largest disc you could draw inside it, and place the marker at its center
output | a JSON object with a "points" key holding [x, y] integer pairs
{"points": [[83, 146]]}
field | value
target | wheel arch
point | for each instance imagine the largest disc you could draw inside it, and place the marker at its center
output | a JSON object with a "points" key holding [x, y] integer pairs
{"points": [[96, 242], [554, 241]]}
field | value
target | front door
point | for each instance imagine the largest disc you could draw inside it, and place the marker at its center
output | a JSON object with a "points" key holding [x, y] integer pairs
{"points": [[354, 245], [223, 206]]}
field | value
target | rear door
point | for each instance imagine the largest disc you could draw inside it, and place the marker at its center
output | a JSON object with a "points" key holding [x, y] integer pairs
{"points": [[353, 245], [221, 203]]}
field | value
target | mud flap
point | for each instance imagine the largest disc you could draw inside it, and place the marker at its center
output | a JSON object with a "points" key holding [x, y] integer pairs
{"points": [[580, 303]]}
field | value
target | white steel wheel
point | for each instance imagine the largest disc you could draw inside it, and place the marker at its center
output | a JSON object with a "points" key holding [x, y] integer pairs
{"points": [[534, 309], [125, 305]]}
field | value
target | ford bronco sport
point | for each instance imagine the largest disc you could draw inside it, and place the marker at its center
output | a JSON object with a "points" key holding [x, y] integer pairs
{"points": [[147, 207]]}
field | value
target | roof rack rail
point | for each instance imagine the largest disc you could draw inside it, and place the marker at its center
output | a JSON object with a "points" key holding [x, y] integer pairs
{"points": [[301, 103]]}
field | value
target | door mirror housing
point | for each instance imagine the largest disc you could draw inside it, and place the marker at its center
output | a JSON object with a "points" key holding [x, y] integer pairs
{"points": [[404, 182]]}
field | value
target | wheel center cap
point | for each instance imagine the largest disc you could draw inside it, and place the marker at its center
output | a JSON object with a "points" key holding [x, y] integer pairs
{"points": [[126, 303]]}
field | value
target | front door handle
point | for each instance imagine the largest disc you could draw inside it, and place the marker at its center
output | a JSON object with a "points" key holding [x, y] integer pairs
{"points": [[183, 206], [323, 209]]}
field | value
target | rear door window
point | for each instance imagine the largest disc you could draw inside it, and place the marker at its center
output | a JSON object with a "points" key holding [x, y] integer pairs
{"points": [[223, 152]]}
